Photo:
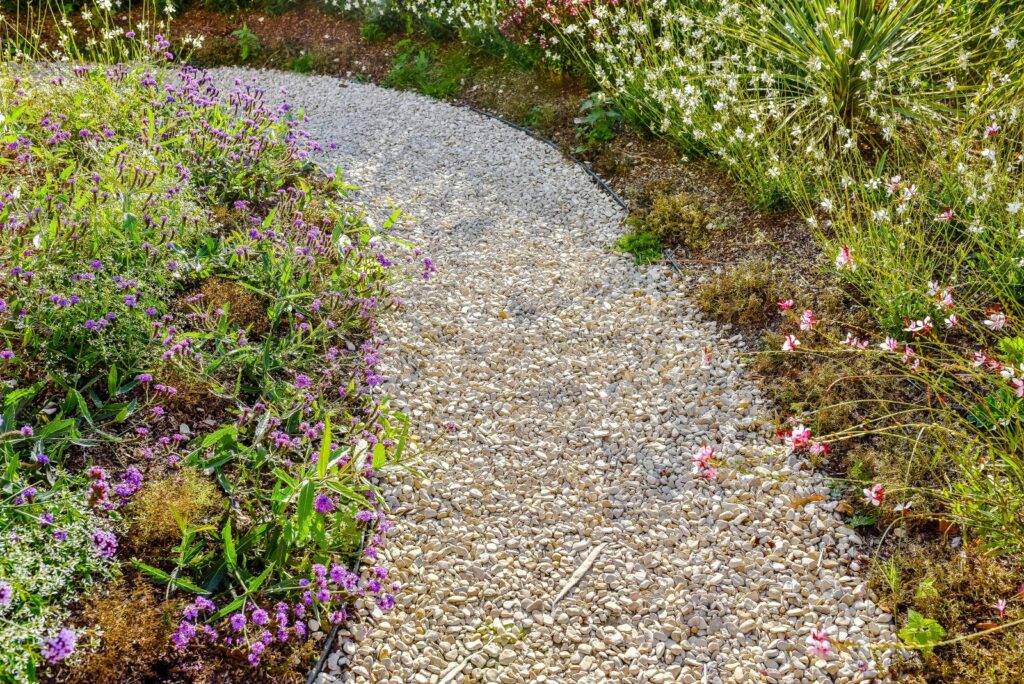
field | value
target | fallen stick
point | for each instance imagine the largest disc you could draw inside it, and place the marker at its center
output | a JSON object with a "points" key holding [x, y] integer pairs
{"points": [[580, 572]]}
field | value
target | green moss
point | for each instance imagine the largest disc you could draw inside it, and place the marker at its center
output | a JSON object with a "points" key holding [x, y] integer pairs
{"points": [[645, 247]]}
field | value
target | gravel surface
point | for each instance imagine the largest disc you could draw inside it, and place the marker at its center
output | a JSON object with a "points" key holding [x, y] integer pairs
{"points": [[562, 535]]}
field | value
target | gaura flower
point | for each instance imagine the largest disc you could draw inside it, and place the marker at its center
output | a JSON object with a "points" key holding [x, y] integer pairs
{"points": [[922, 327], [819, 643], [875, 494], [790, 343], [996, 320], [844, 260], [807, 320]]}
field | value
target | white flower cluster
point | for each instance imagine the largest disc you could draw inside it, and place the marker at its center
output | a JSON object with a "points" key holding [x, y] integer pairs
{"points": [[45, 574]]}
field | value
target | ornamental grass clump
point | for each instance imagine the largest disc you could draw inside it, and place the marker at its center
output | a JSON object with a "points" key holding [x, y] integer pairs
{"points": [[184, 302]]}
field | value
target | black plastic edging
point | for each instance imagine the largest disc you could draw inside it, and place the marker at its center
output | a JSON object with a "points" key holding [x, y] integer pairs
{"points": [[600, 182]]}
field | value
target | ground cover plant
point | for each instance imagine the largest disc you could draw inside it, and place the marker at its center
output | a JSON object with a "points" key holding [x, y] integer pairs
{"points": [[189, 391]]}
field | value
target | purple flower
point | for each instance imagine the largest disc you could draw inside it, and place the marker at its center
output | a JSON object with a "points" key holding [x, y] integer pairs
{"points": [[131, 300], [6, 594], [302, 381], [59, 648], [238, 621], [254, 653], [45, 519], [365, 516], [203, 603], [6, 354], [104, 543], [96, 264], [60, 535], [144, 377], [323, 504], [260, 617], [186, 630]]}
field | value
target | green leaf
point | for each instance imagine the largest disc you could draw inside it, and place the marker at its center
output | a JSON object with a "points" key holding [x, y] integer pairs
{"points": [[378, 456], [305, 508], [922, 632], [325, 449], [76, 399], [165, 578], [258, 582], [112, 382], [218, 435], [230, 555]]}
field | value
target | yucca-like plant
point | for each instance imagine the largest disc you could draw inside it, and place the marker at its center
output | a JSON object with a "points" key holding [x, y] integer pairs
{"points": [[864, 71]]}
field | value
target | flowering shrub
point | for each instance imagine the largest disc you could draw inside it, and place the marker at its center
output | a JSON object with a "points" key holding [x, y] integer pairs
{"points": [[178, 289]]}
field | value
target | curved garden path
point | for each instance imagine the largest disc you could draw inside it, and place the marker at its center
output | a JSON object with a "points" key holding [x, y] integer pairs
{"points": [[561, 536]]}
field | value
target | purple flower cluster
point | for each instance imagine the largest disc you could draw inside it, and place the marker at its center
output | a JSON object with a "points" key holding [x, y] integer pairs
{"points": [[104, 543], [60, 647]]}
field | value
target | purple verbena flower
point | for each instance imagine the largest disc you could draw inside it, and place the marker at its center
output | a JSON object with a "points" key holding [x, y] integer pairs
{"points": [[104, 543], [57, 649]]}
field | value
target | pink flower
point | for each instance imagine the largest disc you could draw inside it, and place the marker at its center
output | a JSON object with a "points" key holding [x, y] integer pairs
{"points": [[996, 320], [708, 473], [875, 494], [708, 355], [893, 184], [991, 131], [945, 298], [819, 644], [799, 437], [704, 456], [820, 449], [902, 507], [1018, 387], [922, 327], [785, 304], [952, 320], [854, 342], [807, 320], [845, 259], [790, 344], [889, 345], [946, 216], [703, 466], [1000, 605]]}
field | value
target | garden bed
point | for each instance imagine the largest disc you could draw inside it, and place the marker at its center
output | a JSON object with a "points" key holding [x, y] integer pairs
{"points": [[192, 415]]}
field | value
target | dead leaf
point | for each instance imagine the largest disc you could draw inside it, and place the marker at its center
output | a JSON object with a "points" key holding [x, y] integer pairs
{"points": [[503, 314], [806, 500], [948, 529], [844, 508], [982, 626]]}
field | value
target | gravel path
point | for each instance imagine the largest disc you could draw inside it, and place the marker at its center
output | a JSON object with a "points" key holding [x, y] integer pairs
{"points": [[562, 536]]}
